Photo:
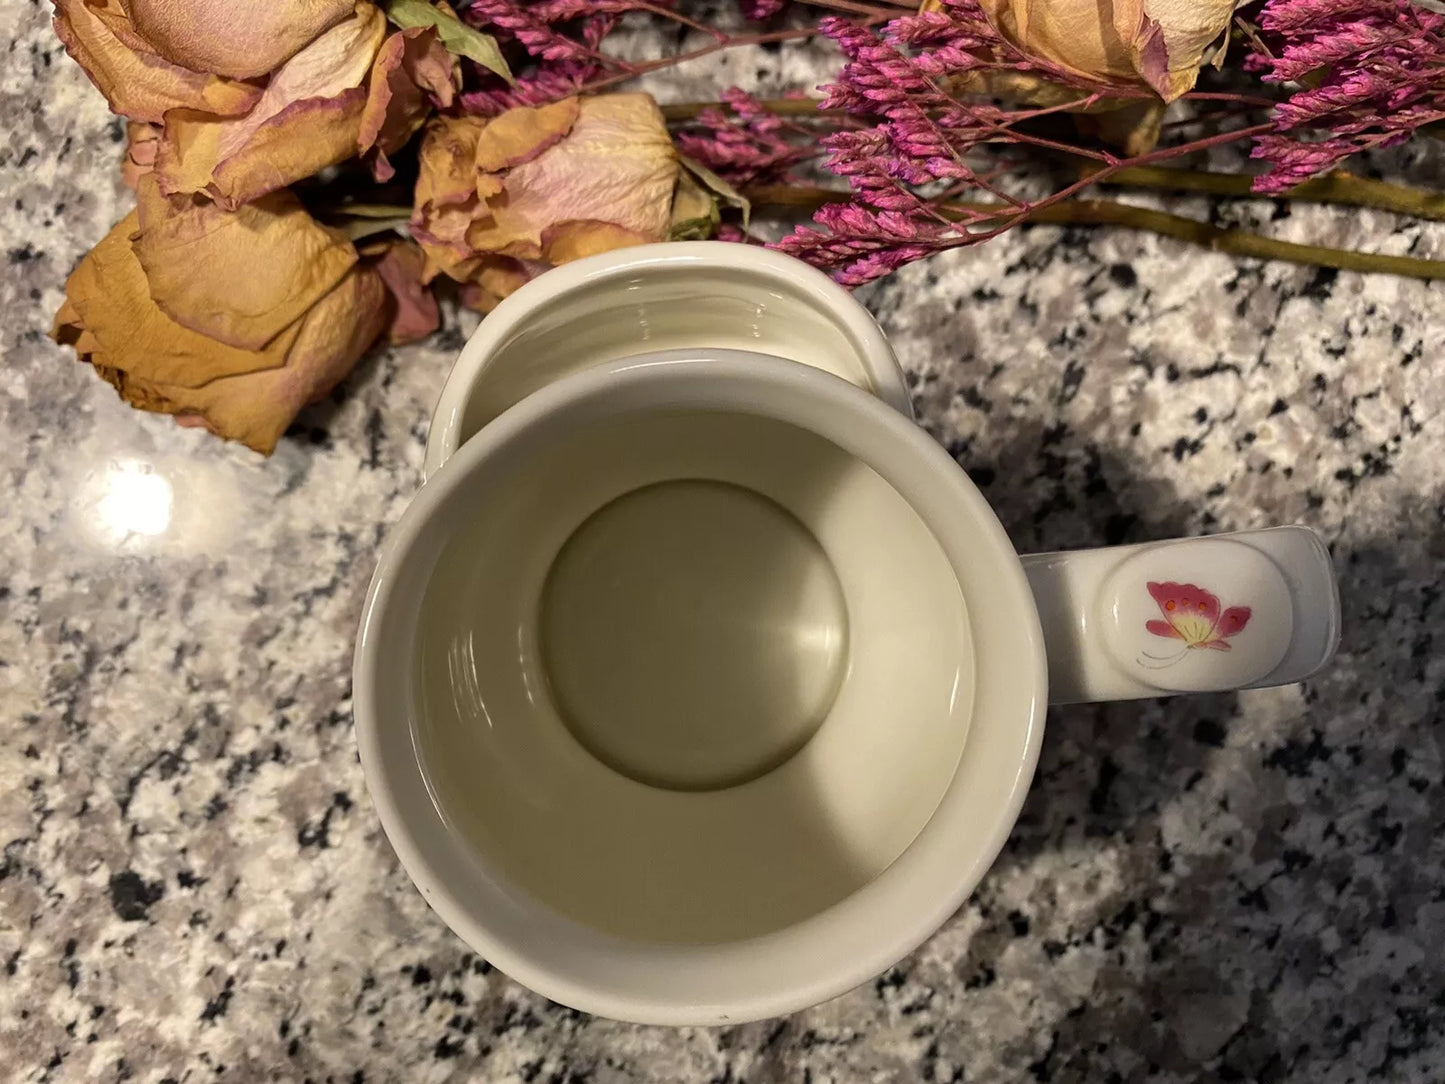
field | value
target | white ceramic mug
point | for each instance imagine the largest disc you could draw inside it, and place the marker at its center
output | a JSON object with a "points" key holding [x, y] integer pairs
{"points": [[702, 687]]}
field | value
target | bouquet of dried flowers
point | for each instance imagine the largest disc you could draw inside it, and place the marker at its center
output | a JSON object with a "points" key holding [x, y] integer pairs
{"points": [[310, 173]]}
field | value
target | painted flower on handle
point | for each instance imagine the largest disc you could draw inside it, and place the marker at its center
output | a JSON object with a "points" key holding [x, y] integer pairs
{"points": [[1193, 615]]}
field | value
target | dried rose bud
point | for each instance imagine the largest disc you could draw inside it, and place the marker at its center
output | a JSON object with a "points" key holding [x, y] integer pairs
{"points": [[1160, 43], [537, 186], [170, 310]]}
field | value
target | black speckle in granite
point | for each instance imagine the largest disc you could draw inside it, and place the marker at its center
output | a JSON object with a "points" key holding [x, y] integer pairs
{"points": [[131, 896], [1210, 732], [1298, 758], [217, 1006], [318, 834]]}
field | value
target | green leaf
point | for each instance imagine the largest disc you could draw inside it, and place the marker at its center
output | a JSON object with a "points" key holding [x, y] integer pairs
{"points": [[459, 38], [694, 211], [727, 192]]}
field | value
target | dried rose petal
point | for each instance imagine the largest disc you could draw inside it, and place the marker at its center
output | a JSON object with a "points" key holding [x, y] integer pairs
{"points": [[411, 66], [446, 195], [308, 118], [566, 241], [256, 408], [137, 82], [415, 313], [109, 313], [520, 134], [498, 278], [543, 184], [616, 165], [230, 38], [240, 277], [142, 142], [1161, 43]]}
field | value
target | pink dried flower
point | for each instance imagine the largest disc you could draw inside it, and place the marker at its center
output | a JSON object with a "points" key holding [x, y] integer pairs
{"points": [[758, 10], [859, 245], [748, 146], [1374, 71], [562, 37]]}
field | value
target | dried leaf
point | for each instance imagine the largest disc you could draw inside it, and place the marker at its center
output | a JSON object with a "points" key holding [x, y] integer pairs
{"points": [[716, 184], [694, 211]]}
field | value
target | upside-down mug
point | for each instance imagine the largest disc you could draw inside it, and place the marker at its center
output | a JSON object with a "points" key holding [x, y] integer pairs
{"points": [[701, 686]]}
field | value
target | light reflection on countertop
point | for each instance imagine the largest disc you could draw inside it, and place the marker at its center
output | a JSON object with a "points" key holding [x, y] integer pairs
{"points": [[159, 505]]}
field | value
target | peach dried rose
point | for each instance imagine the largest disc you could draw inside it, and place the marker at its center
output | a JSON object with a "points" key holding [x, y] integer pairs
{"points": [[246, 393], [308, 118], [135, 78], [227, 38], [1158, 43], [543, 184]]}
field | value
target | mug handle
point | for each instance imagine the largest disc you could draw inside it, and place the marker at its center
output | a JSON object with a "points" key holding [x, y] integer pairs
{"points": [[1231, 611]]}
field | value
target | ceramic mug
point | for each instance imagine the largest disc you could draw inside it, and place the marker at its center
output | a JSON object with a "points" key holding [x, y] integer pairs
{"points": [[701, 687]]}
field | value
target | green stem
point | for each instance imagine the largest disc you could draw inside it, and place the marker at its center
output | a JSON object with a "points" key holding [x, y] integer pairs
{"points": [[1341, 188], [1080, 212]]}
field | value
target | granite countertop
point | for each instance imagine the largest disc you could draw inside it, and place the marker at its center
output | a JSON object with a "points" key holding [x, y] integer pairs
{"points": [[1229, 887]]}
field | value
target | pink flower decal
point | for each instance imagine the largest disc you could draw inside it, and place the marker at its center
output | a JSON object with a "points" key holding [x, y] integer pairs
{"points": [[1192, 614]]}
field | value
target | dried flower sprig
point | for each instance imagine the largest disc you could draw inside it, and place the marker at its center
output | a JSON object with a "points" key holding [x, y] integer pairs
{"points": [[921, 82], [1370, 74]]}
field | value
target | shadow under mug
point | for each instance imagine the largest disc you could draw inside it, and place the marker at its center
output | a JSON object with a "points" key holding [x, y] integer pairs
{"points": [[701, 689]]}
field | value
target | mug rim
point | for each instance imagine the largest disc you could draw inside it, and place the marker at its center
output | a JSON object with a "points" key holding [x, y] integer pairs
{"points": [[851, 941], [876, 354]]}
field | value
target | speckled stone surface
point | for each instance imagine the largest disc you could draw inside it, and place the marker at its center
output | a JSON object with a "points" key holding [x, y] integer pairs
{"points": [[1230, 887]]}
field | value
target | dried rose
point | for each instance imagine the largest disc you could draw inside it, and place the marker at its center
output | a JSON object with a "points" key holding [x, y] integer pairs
{"points": [[170, 310], [497, 200], [1159, 43], [137, 79], [308, 118]]}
